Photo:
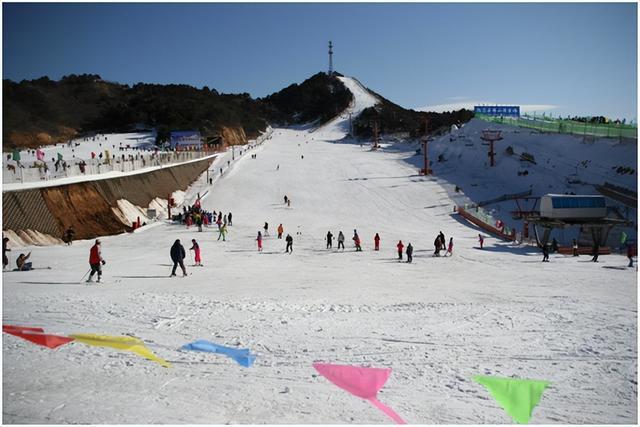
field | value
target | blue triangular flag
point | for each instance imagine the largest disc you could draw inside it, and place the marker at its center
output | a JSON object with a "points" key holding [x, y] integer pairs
{"points": [[241, 355]]}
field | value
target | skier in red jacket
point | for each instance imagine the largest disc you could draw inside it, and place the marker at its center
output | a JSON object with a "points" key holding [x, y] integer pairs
{"points": [[95, 261], [400, 247]]}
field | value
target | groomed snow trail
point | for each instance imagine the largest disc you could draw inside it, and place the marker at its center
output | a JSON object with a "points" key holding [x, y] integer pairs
{"points": [[436, 322]]}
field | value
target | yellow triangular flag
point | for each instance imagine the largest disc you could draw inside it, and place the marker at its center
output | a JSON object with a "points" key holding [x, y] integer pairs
{"points": [[126, 343]]}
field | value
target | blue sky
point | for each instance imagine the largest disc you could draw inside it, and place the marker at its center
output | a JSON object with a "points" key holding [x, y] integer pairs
{"points": [[562, 58]]}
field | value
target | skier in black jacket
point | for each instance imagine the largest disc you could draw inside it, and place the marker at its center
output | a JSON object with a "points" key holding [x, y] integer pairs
{"points": [[177, 256], [329, 239]]}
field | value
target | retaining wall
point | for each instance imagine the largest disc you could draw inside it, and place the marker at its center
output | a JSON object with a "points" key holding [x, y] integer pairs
{"points": [[88, 205]]}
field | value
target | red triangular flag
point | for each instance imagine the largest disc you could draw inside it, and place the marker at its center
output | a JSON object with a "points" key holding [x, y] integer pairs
{"points": [[21, 328], [46, 340]]}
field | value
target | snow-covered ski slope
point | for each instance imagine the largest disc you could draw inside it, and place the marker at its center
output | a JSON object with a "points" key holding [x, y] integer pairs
{"points": [[563, 164], [435, 322]]}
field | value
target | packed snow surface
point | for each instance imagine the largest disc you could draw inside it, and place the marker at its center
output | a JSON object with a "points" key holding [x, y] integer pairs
{"points": [[436, 322]]}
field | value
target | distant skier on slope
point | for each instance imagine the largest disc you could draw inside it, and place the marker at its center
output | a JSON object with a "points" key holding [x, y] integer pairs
{"points": [[286, 199], [574, 245], [545, 252], [329, 239], [196, 249], [443, 241], [177, 256], [259, 240], [356, 241], [400, 247], [437, 244], [341, 240], [289, 240], [223, 233], [481, 240], [280, 231], [596, 251], [266, 228], [229, 218], [96, 261], [450, 249], [376, 242], [409, 253]]}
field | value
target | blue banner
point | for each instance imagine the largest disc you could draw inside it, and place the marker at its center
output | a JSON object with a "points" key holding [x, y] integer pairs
{"points": [[498, 110]]}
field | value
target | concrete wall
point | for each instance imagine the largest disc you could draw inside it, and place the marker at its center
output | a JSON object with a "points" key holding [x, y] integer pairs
{"points": [[88, 205]]}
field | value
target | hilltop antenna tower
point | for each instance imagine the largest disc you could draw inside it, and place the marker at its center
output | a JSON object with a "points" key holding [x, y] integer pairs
{"points": [[330, 73]]}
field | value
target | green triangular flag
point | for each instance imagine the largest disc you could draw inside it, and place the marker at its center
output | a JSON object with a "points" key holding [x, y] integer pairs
{"points": [[517, 397]]}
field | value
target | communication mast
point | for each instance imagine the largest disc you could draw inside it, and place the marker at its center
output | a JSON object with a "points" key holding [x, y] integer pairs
{"points": [[330, 73]]}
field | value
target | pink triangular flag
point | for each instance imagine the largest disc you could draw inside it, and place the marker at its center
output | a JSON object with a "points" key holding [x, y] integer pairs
{"points": [[359, 381]]}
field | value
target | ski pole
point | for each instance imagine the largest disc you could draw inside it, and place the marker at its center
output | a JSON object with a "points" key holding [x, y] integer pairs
{"points": [[85, 275]]}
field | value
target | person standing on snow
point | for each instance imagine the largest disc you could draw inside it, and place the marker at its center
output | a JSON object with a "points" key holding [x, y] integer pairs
{"points": [[229, 218], [280, 231], [341, 240], [259, 240], [329, 239], [554, 245], [450, 249], [95, 261], [545, 253], [177, 256], [481, 240], [596, 250], [400, 247], [223, 233], [5, 259], [443, 241], [219, 223], [409, 253], [266, 228], [196, 249], [224, 220], [286, 199], [630, 254], [574, 244], [376, 242], [437, 243], [356, 241], [289, 240]]}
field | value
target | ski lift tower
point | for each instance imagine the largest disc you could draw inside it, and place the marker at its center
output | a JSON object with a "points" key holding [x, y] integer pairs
{"points": [[491, 136], [330, 73]]}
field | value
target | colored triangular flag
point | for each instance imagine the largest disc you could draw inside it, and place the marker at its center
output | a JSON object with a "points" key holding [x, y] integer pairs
{"points": [[240, 355], [361, 382], [517, 397], [36, 336], [126, 343], [21, 328]]}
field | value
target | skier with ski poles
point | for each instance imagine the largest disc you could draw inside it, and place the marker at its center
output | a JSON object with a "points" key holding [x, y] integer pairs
{"points": [[329, 240], [96, 261], [196, 249]]}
